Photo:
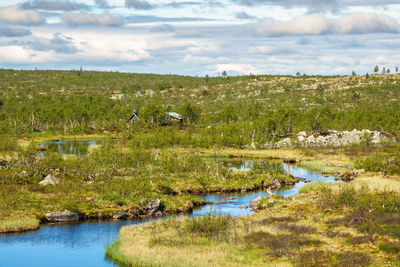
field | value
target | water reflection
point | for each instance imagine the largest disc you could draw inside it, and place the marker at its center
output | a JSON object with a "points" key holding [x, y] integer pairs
{"points": [[83, 244], [70, 147]]}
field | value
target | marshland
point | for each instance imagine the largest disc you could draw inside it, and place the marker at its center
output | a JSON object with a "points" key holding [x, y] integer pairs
{"points": [[319, 153]]}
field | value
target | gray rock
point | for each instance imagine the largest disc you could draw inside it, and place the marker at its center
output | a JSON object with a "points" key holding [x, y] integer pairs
{"points": [[23, 174], [62, 216], [152, 207], [50, 179], [119, 215], [90, 199], [255, 202]]}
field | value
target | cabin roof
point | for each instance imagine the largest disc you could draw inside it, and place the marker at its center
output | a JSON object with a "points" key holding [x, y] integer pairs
{"points": [[174, 115]]}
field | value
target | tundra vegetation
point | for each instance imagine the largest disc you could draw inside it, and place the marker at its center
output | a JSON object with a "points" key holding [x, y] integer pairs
{"points": [[356, 224]]}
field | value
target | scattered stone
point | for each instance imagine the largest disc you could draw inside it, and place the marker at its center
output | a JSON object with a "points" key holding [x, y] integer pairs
{"points": [[350, 175], [333, 138], [50, 179], [245, 206], [231, 198], [153, 208], [255, 202], [240, 207], [62, 216], [23, 174], [271, 201], [120, 215], [90, 199], [222, 202], [230, 201]]}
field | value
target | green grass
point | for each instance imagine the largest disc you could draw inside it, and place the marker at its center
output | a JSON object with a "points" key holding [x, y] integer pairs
{"points": [[326, 225], [18, 224]]}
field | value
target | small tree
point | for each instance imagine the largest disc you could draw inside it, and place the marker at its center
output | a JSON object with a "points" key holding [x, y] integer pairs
{"points": [[353, 73], [383, 70], [397, 69], [298, 74], [224, 73], [207, 78], [388, 71], [191, 112], [367, 76], [376, 69]]}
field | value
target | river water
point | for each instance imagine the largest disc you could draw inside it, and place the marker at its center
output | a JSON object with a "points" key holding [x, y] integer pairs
{"points": [[83, 244]]}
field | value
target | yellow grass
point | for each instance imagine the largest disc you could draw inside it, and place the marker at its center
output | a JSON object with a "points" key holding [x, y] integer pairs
{"points": [[18, 224]]}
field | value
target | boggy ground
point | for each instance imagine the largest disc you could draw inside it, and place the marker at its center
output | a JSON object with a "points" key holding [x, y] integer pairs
{"points": [[115, 178], [354, 224]]}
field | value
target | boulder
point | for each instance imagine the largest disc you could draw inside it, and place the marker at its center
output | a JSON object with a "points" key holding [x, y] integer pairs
{"points": [[50, 179], [62, 216], [254, 203], [90, 199], [119, 215], [153, 208]]}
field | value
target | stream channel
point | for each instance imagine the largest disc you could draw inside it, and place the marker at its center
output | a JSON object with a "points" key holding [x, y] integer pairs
{"points": [[83, 244]]}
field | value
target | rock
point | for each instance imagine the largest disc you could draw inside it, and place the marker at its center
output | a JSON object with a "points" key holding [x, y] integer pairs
{"points": [[303, 134], [271, 201], [152, 207], [23, 174], [254, 203], [158, 213], [90, 199], [222, 202], [240, 207], [231, 198], [62, 216], [120, 215], [230, 201], [50, 179], [245, 206], [334, 138], [244, 190]]}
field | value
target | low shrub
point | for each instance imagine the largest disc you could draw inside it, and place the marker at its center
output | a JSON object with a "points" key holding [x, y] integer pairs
{"points": [[390, 247]]}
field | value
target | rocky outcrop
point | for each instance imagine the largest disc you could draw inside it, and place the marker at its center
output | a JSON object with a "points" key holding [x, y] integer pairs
{"points": [[62, 216], [50, 180], [350, 175], [120, 215], [153, 208], [334, 138]]}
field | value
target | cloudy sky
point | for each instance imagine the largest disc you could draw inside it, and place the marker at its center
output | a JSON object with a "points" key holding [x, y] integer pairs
{"points": [[198, 37]]}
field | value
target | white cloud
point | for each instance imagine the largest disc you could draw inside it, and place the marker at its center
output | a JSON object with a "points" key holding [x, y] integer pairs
{"points": [[360, 23], [19, 55], [84, 18], [237, 68], [14, 14]]}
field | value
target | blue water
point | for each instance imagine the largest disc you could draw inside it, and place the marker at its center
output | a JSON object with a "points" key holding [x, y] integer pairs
{"points": [[79, 147], [83, 244]]}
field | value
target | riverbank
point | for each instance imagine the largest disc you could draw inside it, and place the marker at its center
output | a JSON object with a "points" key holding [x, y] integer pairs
{"points": [[117, 179], [328, 224]]}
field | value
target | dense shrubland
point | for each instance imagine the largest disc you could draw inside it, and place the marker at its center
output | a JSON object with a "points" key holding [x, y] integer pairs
{"points": [[230, 111]]}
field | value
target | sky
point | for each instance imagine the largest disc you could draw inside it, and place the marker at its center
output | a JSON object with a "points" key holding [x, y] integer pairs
{"points": [[199, 37]]}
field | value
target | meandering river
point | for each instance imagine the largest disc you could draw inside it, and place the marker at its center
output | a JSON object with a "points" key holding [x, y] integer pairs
{"points": [[83, 244]]}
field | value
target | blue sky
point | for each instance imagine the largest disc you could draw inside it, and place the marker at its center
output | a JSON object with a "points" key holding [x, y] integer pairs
{"points": [[195, 37]]}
